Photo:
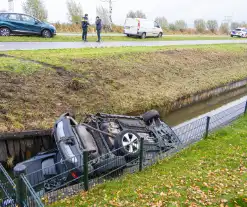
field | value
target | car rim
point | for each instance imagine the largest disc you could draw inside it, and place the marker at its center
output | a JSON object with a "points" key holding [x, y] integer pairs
{"points": [[4, 32], [46, 33], [130, 143]]}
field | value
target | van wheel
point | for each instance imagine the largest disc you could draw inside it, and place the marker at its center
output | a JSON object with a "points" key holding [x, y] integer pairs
{"points": [[160, 35], [143, 35]]}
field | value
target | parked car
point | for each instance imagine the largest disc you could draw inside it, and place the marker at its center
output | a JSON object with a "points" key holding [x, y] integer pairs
{"points": [[113, 142], [239, 32], [142, 28], [15, 23]]}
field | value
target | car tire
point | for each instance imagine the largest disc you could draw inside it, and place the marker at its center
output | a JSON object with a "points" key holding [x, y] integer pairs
{"points": [[4, 31], [46, 33], [128, 35], [150, 115], [127, 143], [232, 36], [143, 36], [160, 35]]}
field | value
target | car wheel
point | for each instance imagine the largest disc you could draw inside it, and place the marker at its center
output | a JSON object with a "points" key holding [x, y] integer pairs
{"points": [[46, 33], [143, 35], [4, 31], [150, 115], [160, 35], [232, 36], [127, 143], [128, 35]]}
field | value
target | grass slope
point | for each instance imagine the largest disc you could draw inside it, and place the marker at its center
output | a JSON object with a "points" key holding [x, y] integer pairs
{"points": [[111, 80], [59, 38], [210, 173]]}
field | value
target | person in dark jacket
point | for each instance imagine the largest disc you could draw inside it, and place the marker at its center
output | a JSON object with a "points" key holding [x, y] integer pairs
{"points": [[85, 25], [98, 28]]}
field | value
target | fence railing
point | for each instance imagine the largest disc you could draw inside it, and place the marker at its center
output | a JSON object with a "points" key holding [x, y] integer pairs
{"points": [[60, 180]]}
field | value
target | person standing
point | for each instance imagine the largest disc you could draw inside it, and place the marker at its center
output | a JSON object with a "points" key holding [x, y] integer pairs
{"points": [[85, 25], [98, 24]]}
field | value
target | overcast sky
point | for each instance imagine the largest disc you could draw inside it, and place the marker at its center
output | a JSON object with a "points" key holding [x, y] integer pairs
{"points": [[187, 10]]}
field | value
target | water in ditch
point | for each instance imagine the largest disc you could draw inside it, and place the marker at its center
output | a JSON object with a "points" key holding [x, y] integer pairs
{"points": [[181, 115]]}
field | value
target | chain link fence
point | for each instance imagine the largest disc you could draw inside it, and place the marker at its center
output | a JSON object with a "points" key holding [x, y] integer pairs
{"points": [[44, 187]]}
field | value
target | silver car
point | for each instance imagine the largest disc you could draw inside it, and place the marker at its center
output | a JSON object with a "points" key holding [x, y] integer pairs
{"points": [[239, 32]]}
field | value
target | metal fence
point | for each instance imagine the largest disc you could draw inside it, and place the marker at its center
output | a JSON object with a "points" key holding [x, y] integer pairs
{"points": [[45, 186]]}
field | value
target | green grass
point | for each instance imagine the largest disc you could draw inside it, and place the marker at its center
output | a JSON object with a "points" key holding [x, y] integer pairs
{"points": [[106, 39], [18, 66], [210, 173]]}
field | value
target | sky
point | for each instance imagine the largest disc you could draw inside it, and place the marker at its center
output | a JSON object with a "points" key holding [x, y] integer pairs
{"points": [[187, 10]]}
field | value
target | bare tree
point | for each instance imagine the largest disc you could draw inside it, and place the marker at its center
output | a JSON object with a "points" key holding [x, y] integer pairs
{"points": [[180, 25], [110, 3], [75, 11], [224, 28], [200, 25], [103, 14], [162, 21], [212, 25], [35, 8], [136, 14]]}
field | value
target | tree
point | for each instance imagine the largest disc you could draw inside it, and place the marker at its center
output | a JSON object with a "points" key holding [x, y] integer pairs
{"points": [[75, 11], [172, 27], [35, 8], [212, 25], [162, 21], [110, 11], [200, 25], [180, 25], [136, 14], [235, 25], [224, 28], [103, 14]]}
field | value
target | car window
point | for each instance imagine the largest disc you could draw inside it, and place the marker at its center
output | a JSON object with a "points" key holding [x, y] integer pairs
{"points": [[28, 19], [14, 17], [3, 15], [237, 29]]}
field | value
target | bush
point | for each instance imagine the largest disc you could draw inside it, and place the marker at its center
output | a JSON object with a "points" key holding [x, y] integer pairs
{"points": [[212, 25], [180, 25]]}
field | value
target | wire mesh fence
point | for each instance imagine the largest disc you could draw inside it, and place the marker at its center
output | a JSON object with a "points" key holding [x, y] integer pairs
{"points": [[57, 178]]}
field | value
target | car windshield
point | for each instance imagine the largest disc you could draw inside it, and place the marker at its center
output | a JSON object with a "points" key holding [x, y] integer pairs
{"points": [[238, 30]]}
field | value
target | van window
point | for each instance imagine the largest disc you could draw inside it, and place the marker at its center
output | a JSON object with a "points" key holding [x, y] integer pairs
{"points": [[14, 17], [156, 24]]}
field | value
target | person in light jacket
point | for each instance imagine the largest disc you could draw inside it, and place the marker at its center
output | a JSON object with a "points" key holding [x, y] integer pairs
{"points": [[98, 24]]}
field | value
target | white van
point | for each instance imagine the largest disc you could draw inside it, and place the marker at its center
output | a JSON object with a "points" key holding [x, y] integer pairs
{"points": [[142, 28]]}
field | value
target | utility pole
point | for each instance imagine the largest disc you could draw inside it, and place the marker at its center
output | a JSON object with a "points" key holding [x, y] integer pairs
{"points": [[11, 5]]}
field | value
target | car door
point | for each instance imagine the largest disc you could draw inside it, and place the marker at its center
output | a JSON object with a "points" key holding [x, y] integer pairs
{"points": [[30, 24], [156, 29], [13, 21]]}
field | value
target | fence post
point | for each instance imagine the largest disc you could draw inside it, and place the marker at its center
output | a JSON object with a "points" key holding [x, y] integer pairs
{"points": [[85, 170], [141, 154], [207, 127], [245, 109], [20, 185]]}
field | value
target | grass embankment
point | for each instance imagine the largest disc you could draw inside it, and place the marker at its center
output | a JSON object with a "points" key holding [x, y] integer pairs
{"points": [[210, 173], [111, 80], [59, 38]]}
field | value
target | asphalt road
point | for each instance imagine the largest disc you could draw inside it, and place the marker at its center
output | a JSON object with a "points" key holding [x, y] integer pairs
{"points": [[5, 46]]}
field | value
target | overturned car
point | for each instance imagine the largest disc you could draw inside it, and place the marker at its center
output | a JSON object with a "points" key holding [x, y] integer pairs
{"points": [[112, 142]]}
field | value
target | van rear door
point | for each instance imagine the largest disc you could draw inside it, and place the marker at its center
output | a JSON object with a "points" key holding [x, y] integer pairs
{"points": [[131, 26]]}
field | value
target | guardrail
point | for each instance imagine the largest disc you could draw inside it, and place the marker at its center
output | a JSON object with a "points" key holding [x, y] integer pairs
{"points": [[44, 186]]}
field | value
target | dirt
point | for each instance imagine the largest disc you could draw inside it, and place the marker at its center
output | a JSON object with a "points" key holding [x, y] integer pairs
{"points": [[115, 84]]}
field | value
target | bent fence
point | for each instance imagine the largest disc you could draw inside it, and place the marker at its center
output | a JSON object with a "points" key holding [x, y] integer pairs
{"points": [[46, 186]]}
